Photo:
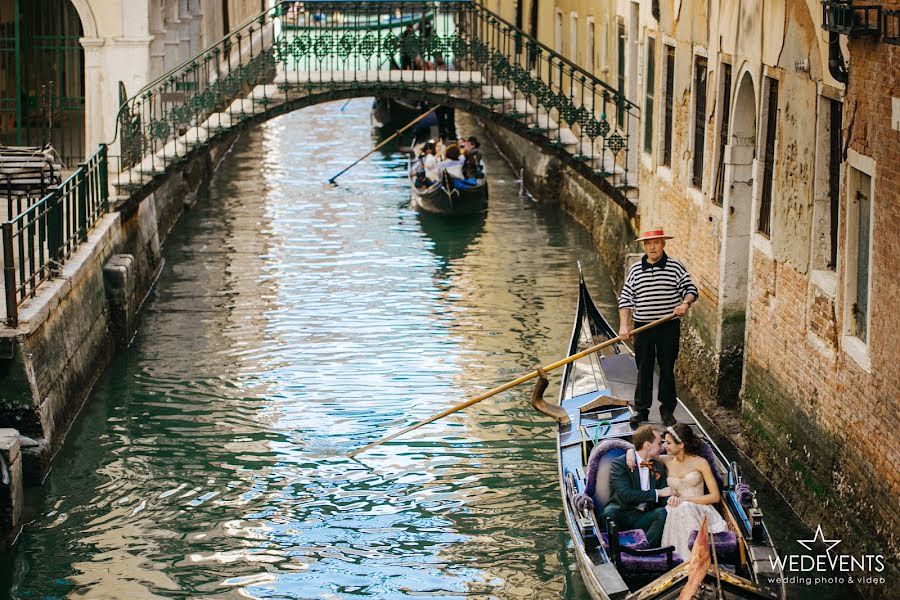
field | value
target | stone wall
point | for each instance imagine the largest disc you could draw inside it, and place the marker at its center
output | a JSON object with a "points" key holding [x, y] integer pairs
{"points": [[64, 342]]}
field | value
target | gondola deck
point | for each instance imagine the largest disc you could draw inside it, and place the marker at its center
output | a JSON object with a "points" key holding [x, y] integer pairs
{"points": [[595, 393]]}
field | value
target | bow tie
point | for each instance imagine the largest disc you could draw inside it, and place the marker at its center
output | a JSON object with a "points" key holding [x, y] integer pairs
{"points": [[648, 464]]}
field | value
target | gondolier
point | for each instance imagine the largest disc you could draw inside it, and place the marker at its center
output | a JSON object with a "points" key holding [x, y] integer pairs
{"points": [[655, 287]]}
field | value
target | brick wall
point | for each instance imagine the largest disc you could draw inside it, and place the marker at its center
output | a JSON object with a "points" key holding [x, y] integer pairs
{"points": [[823, 426]]}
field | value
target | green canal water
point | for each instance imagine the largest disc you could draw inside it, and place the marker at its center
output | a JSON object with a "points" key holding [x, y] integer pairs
{"points": [[293, 322]]}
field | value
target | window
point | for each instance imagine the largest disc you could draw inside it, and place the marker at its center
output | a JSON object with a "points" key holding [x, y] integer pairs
{"points": [[647, 112], [573, 37], [764, 225], [620, 75], [859, 206], [669, 66], [590, 45], [699, 120], [725, 107], [557, 31], [834, 177]]}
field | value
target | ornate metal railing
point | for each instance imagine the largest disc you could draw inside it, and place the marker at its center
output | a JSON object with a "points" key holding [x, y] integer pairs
{"points": [[332, 49], [37, 241]]}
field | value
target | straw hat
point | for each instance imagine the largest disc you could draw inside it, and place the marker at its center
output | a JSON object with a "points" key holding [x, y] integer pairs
{"points": [[654, 234]]}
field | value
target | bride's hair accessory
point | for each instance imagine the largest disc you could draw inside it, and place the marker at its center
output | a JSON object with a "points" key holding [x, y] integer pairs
{"points": [[673, 434]]}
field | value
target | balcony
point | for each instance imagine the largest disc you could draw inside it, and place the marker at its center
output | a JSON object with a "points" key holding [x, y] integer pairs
{"points": [[890, 26], [842, 16]]}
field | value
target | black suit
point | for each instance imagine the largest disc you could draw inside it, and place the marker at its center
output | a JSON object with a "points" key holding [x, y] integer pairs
{"points": [[628, 495]]}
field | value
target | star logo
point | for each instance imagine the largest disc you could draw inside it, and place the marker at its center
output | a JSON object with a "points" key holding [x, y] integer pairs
{"points": [[829, 544]]}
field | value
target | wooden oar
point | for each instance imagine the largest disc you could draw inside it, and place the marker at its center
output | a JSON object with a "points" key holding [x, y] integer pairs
{"points": [[508, 385], [373, 150]]}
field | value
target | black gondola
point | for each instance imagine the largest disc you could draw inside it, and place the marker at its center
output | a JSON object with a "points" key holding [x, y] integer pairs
{"points": [[397, 111], [591, 395], [449, 196]]}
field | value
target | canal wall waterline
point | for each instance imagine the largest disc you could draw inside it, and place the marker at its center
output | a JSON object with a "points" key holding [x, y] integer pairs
{"points": [[67, 335]]}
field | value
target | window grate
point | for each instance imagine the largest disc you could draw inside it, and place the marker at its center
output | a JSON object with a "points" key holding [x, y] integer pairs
{"points": [[647, 113], [670, 89], [765, 205], [725, 103], [699, 120], [620, 114], [834, 176]]}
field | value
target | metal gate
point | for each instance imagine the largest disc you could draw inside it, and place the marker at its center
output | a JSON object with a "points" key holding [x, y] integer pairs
{"points": [[42, 77]]}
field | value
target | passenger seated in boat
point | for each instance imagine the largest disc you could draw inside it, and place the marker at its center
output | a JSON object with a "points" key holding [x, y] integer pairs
{"points": [[473, 168], [427, 166], [640, 502], [452, 163], [689, 471]]}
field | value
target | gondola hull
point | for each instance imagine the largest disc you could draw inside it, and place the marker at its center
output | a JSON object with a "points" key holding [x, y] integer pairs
{"points": [[445, 199], [594, 393], [392, 111]]}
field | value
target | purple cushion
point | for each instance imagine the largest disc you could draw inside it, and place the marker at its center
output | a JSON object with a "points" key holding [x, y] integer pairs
{"points": [[632, 538], [726, 544], [656, 562]]}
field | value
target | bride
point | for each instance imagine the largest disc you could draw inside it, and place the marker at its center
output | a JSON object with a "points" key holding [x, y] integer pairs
{"points": [[688, 473]]}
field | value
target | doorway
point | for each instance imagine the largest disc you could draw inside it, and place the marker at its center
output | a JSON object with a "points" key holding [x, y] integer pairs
{"points": [[737, 229], [42, 77]]}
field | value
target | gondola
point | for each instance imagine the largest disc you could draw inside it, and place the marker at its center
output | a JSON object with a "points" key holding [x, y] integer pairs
{"points": [[612, 564], [449, 196], [396, 110]]}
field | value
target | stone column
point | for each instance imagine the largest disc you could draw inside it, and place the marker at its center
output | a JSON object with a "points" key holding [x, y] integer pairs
{"points": [[158, 31], [173, 36], [97, 124]]}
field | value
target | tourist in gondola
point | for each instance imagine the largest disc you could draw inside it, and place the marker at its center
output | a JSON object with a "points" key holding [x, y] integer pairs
{"points": [[473, 167], [641, 503], [452, 163], [688, 473], [655, 287]]}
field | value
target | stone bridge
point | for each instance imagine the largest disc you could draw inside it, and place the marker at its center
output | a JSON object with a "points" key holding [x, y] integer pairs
{"points": [[299, 54]]}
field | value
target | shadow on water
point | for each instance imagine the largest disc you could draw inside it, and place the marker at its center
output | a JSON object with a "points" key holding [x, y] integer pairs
{"points": [[451, 237]]}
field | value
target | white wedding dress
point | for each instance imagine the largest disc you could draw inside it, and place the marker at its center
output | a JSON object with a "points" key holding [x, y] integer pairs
{"points": [[685, 518]]}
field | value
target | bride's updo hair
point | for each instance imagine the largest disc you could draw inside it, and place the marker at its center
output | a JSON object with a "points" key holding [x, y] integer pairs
{"points": [[693, 443]]}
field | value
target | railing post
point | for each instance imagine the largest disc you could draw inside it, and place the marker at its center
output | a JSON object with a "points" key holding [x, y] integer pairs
{"points": [[103, 166], [81, 199], [9, 276], [54, 232]]}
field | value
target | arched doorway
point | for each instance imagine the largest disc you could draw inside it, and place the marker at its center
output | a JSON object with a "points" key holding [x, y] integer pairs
{"points": [[736, 235], [42, 77]]}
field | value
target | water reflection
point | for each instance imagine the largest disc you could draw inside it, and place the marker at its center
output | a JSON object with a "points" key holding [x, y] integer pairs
{"points": [[451, 238], [296, 320]]}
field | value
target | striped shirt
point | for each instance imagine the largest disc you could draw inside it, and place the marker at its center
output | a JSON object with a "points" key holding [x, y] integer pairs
{"points": [[653, 291]]}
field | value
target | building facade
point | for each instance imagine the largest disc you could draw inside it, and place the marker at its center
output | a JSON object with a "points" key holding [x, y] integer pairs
{"points": [[62, 61], [769, 145]]}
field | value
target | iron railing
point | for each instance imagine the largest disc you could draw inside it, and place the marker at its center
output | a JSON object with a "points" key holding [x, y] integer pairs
{"points": [[327, 49], [842, 16], [37, 241]]}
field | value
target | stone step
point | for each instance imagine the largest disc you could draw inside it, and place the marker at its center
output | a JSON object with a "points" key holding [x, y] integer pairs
{"points": [[496, 92], [521, 107]]}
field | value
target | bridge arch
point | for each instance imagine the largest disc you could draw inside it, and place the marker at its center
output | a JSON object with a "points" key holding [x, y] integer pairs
{"points": [[288, 59]]}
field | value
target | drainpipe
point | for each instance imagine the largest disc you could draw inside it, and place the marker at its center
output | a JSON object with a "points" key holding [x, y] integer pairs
{"points": [[836, 66]]}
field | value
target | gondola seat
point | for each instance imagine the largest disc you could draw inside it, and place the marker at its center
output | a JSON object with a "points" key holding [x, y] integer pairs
{"points": [[630, 548], [726, 546]]}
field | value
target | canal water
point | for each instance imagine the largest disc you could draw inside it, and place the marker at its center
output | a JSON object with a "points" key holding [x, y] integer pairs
{"points": [[293, 322]]}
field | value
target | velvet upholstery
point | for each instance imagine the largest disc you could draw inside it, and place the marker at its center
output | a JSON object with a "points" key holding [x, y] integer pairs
{"points": [[726, 545]]}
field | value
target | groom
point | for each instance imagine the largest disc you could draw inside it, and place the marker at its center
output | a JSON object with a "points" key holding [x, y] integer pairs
{"points": [[639, 497]]}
